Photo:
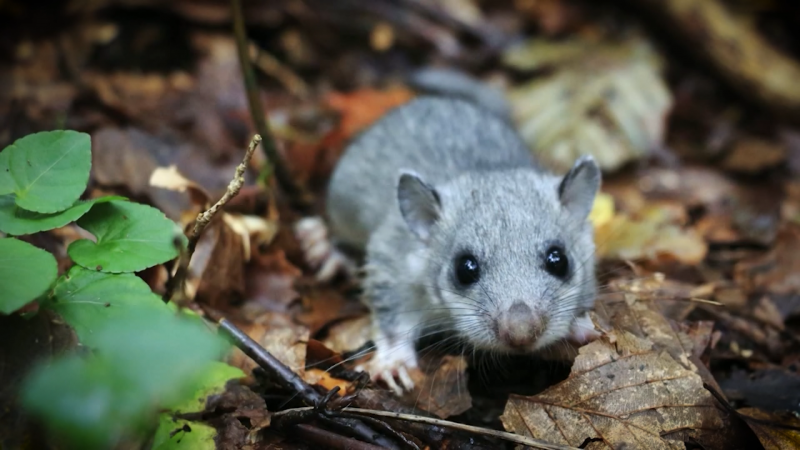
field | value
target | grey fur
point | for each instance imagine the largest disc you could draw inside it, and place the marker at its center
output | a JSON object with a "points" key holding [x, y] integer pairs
{"points": [[492, 200]]}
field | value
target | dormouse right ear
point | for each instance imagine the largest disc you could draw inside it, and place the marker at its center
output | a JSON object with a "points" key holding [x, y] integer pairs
{"points": [[419, 204], [579, 187]]}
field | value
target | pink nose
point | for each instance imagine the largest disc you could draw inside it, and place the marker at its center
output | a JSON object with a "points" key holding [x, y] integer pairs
{"points": [[519, 327]]}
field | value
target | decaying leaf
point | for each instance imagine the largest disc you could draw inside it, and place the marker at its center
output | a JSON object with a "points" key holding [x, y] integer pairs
{"points": [[604, 99], [441, 386], [276, 333], [635, 387], [170, 178], [776, 431], [216, 271], [777, 272], [751, 155]]}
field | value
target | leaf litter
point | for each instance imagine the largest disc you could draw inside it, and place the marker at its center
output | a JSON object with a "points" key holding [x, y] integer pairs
{"points": [[697, 226]]}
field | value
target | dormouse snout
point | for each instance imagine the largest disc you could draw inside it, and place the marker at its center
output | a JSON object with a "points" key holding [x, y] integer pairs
{"points": [[519, 327]]}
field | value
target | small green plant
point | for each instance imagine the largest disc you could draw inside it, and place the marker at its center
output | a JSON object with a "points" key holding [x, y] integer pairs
{"points": [[145, 356]]}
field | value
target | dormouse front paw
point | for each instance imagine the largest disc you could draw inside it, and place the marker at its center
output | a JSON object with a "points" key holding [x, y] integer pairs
{"points": [[583, 330], [392, 367]]}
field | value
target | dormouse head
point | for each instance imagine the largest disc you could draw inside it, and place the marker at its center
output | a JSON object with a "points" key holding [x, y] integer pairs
{"points": [[509, 254]]}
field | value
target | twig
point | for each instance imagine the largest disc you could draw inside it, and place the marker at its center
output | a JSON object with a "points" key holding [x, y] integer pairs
{"points": [[291, 381], [271, 66], [735, 49], [298, 196], [510, 437], [204, 218], [332, 440]]}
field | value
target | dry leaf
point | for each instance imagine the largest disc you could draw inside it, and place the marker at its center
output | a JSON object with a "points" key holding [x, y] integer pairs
{"points": [[604, 99], [361, 108], [349, 335], [779, 270], [270, 283], [776, 431], [217, 267], [170, 178], [627, 238], [622, 394], [283, 339], [441, 386], [751, 155], [323, 305], [639, 386]]}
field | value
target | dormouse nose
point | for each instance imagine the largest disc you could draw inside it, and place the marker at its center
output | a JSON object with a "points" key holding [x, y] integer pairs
{"points": [[518, 327]]}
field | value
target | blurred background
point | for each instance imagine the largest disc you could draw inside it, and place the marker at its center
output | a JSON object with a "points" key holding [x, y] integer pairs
{"points": [[692, 109]]}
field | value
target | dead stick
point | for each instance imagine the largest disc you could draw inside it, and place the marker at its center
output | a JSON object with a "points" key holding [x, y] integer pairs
{"points": [[298, 196], [510, 437], [204, 218], [738, 53], [292, 382]]}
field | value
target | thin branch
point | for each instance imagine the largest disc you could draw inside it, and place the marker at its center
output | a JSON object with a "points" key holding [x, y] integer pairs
{"points": [[298, 196], [204, 218], [510, 437], [293, 382]]}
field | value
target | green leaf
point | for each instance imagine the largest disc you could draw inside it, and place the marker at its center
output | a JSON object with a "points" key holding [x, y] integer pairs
{"points": [[17, 221], [174, 433], [145, 361], [7, 184], [26, 272], [87, 300], [130, 237], [50, 169]]}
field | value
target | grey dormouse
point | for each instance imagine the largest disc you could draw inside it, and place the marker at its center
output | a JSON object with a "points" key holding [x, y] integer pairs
{"points": [[462, 231]]}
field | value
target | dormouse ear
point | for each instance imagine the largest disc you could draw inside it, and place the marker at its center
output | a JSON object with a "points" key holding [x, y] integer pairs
{"points": [[419, 204], [579, 187]]}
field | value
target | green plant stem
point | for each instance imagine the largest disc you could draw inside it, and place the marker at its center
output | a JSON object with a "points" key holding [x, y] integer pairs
{"points": [[298, 196]]}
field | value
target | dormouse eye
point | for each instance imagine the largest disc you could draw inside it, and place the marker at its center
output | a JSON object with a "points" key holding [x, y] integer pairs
{"points": [[556, 263], [467, 269]]}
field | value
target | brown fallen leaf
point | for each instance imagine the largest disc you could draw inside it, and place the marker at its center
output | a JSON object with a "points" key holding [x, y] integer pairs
{"points": [[349, 334], [751, 155], [276, 333], [441, 386], [638, 386], [170, 178], [361, 108], [269, 283], [777, 272], [776, 431], [324, 305], [217, 268]]}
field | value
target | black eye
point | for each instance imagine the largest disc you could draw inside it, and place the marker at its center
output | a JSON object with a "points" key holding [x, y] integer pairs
{"points": [[556, 262], [467, 269]]}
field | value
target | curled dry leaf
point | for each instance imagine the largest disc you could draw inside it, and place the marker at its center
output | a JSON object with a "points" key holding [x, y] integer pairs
{"points": [[170, 178], [602, 98], [775, 431], [635, 387]]}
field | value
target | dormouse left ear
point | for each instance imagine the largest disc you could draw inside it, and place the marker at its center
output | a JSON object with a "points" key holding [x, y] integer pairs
{"points": [[419, 204], [579, 187]]}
